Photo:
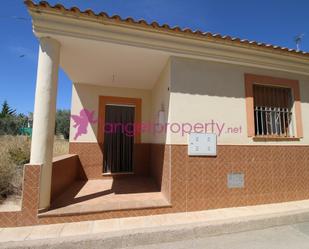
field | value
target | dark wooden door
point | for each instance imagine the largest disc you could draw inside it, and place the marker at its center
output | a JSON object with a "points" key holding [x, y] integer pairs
{"points": [[118, 139]]}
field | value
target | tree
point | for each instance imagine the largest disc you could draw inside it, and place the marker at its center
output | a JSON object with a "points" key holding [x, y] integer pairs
{"points": [[10, 123], [7, 111], [63, 123]]}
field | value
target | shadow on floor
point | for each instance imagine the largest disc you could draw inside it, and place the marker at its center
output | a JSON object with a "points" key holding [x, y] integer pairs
{"points": [[105, 190]]}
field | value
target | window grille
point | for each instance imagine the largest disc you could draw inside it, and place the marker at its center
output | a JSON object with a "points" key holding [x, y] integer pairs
{"points": [[273, 111]]}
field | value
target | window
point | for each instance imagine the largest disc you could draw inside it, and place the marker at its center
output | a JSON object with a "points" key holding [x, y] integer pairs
{"points": [[273, 107], [273, 114]]}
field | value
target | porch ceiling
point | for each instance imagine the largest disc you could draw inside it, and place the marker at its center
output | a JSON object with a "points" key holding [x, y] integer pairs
{"points": [[110, 64]]}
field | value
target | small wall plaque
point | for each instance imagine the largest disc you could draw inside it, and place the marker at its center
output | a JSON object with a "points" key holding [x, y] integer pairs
{"points": [[202, 144], [235, 180]]}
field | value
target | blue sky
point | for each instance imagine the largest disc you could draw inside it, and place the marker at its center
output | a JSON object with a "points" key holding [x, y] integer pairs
{"points": [[270, 21]]}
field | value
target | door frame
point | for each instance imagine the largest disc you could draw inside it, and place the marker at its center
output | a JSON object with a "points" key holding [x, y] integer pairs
{"points": [[105, 100]]}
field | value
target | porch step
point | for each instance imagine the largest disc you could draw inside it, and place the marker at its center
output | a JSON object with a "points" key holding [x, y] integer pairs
{"points": [[158, 201], [102, 195]]}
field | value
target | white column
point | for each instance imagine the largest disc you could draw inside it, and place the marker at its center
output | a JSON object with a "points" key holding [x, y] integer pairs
{"points": [[44, 114]]}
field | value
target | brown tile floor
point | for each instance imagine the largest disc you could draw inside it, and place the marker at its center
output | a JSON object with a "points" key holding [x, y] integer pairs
{"points": [[108, 194]]}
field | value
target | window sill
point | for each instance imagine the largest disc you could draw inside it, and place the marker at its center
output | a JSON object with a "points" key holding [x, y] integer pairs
{"points": [[267, 139]]}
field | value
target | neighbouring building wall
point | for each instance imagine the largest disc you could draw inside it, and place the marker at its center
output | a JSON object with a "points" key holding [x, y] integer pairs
{"points": [[203, 91]]}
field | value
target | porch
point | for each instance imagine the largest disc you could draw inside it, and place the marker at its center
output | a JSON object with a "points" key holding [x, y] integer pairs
{"points": [[74, 190], [109, 77], [105, 75], [100, 195]]}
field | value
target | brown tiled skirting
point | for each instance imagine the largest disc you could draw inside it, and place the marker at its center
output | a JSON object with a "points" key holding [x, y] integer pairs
{"points": [[66, 170], [272, 174], [160, 167], [30, 200]]}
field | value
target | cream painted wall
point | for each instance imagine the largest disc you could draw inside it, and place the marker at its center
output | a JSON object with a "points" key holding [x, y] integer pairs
{"points": [[199, 92], [87, 96], [204, 91], [160, 102]]}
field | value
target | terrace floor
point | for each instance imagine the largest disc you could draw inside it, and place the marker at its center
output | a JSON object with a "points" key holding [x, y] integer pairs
{"points": [[108, 194]]}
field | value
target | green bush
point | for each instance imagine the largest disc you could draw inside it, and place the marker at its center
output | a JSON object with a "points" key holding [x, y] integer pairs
{"points": [[11, 125], [63, 123], [19, 155]]}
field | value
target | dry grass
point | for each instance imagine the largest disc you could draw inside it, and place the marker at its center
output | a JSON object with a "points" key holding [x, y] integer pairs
{"points": [[14, 153], [61, 147], [13, 141]]}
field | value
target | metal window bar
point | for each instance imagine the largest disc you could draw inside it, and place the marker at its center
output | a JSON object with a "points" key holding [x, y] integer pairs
{"points": [[273, 121], [292, 125]]}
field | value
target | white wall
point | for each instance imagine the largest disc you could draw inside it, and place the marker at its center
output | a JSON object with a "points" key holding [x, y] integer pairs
{"points": [[203, 91]]}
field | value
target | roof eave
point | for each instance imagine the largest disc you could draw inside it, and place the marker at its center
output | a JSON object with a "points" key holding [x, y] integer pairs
{"points": [[55, 20]]}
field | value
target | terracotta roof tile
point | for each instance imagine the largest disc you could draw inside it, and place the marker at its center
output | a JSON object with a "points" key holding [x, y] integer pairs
{"points": [[164, 27]]}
